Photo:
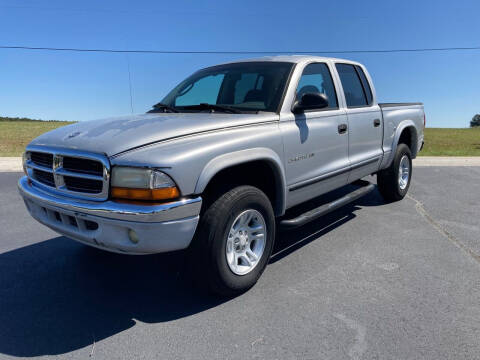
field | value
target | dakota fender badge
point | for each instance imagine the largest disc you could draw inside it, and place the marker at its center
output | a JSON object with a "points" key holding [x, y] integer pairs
{"points": [[301, 157]]}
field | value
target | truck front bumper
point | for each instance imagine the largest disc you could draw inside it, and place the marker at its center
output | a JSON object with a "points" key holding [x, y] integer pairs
{"points": [[118, 227]]}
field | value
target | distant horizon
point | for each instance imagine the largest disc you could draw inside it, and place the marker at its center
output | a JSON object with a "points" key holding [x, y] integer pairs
{"points": [[20, 118]]}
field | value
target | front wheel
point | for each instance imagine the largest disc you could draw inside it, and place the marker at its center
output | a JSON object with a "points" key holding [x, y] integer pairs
{"points": [[393, 182], [234, 241]]}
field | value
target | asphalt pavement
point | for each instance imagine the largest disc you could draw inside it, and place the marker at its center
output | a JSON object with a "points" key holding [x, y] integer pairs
{"points": [[369, 281]]}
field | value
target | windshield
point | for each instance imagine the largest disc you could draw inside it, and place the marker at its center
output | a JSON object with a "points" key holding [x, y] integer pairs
{"points": [[248, 86]]}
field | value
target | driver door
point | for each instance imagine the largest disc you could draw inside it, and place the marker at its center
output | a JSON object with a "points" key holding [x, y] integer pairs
{"points": [[316, 141]]}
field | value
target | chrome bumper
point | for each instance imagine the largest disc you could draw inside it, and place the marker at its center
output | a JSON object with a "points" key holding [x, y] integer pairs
{"points": [[114, 210], [108, 224]]}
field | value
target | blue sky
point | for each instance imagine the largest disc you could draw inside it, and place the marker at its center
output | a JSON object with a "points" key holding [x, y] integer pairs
{"points": [[83, 86]]}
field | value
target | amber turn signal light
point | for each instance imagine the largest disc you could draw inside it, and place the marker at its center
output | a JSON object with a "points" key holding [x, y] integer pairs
{"points": [[145, 194]]}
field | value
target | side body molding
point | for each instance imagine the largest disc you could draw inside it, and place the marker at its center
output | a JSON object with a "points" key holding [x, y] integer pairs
{"points": [[224, 161]]}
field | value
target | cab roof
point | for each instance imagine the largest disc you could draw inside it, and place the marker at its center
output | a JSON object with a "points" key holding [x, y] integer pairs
{"points": [[296, 59]]}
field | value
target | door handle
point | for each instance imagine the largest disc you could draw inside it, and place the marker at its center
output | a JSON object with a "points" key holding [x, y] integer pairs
{"points": [[376, 122], [342, 128]]}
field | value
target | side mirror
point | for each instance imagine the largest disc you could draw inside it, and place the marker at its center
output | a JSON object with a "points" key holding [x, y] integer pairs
{"points": [[310, 101]]}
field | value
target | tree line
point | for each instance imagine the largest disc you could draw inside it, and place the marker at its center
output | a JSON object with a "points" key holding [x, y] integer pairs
{"points": [[6, 118]]}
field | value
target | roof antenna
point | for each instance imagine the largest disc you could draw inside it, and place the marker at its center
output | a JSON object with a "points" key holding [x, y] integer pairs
{"points": [[129, 82]]}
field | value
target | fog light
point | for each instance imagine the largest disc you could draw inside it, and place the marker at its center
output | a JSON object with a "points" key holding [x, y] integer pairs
{"points": [[132, 235]]}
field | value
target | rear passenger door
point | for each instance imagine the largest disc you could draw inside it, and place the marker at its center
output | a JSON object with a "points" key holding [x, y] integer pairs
{"points": [[365, 128]]}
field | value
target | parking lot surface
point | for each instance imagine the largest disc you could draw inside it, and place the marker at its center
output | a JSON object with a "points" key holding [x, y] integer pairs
{"points": [[369, 281]]}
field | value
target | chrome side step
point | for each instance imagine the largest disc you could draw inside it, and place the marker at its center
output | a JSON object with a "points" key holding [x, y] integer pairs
{"points": [[324, 209]]}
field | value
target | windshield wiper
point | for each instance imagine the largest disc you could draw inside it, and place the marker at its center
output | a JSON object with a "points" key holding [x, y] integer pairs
{"points": [[213, 108], [160, 107]]}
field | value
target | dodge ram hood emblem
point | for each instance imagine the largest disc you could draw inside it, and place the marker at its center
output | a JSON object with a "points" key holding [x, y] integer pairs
{"points": [[72, 135]]}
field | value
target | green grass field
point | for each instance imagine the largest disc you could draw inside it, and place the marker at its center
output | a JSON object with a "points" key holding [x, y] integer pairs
{"points": [[15, 135], [451, 142]]}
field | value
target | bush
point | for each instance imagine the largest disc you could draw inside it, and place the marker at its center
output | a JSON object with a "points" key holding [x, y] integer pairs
{"points": [[475, 121]]}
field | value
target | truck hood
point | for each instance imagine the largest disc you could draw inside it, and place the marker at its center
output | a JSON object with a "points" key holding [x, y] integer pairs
{"points": [[115, 135]]}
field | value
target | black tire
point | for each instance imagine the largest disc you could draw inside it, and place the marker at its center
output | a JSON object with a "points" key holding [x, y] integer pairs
{"points": [[207, 253], [387, 179]]}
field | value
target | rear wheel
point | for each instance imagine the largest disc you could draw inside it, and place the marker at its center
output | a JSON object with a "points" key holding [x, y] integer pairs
{"points": [[234, 241], [393, 182]]}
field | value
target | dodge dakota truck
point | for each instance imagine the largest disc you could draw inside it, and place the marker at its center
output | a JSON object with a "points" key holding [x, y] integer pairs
{"points": [[216, 164]]}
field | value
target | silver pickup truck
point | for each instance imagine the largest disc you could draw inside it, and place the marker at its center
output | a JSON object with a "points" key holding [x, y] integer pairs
{"points": [[214, 166]]}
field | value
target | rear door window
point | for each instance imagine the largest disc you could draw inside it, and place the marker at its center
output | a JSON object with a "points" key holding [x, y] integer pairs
{"points": [[352, 85], [366, 85]]}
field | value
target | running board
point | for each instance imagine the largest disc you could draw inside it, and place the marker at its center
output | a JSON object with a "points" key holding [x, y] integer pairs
{"points": [[329, 207]]}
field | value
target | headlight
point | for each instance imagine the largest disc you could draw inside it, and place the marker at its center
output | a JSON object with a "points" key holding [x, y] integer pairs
{"points": [[142, 184]]}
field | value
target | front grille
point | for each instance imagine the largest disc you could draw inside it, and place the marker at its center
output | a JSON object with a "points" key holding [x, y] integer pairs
{"points": [[44, 177], [85, 166], [73, 172], [83, 185], [42, 159]]}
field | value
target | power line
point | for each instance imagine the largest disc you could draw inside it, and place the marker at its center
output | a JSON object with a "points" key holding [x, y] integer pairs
{"points": [[113, 10], [238, 52]]}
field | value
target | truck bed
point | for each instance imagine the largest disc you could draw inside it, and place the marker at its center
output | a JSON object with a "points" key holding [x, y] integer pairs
{"points": [[394, 114]]}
